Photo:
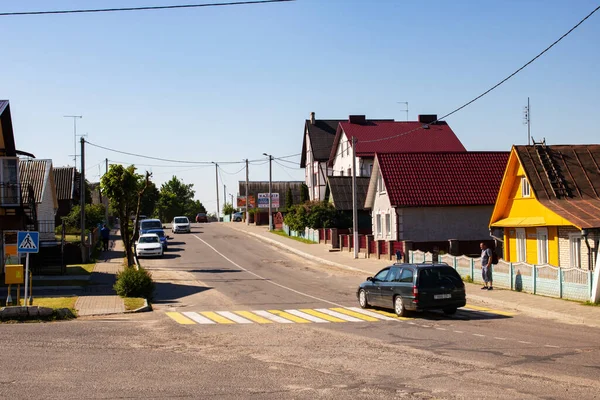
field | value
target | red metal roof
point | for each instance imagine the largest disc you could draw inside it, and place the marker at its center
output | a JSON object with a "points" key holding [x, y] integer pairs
{"points": [[403, 137], [442, 179]]}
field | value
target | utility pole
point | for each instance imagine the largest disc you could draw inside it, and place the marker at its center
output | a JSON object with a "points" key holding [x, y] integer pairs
{"points": [[75, 117], [270, 190], [232, 207], [217, 180], [82, 201], [354, 200], [105, 197], [247, 205], [224, 195]]}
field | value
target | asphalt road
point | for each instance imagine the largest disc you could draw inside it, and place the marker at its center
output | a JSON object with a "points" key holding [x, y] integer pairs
{"points": [[474, 355]]}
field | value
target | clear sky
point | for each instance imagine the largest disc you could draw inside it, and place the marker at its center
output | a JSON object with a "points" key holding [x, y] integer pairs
{"points": [[230, 83]]}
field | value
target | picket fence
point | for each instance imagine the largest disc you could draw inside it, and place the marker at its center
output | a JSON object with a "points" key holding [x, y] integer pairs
{"points": [[547, 280], [308, 234]]}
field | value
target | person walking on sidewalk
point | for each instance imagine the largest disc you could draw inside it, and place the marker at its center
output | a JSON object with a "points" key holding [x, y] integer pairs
{"points": [[105, 233], [486, 266]]}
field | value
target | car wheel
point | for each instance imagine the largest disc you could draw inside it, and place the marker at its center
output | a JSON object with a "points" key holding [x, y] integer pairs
{"points": [[449, 310], [362, 299], [399, 307]]}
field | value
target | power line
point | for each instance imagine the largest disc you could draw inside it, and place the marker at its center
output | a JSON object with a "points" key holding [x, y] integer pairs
{"points": [[287, 161], [495, 86], [152, 165], [145, 8], [285, 166], [287, 173], [290, 156], [233, 173]]}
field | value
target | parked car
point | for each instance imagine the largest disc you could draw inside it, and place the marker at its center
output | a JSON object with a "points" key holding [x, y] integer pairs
{"points": [[201, 217], [180, 224], [148, 224], [237, 217], [414, 287], [161, 235], [148, 245]]}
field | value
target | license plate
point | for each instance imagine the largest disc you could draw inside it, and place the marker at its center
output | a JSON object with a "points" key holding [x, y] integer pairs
{"points": [[442, 296]]}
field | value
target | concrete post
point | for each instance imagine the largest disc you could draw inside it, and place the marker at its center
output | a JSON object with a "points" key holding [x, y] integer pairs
{"points": [[408, 247], [378, 249]]}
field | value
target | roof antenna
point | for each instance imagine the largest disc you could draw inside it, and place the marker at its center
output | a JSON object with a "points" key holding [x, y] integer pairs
{"points": [[406, 103], [527, 121]]}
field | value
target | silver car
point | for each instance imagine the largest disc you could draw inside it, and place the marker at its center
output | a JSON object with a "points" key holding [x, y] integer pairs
{"points": [[180, 224]]}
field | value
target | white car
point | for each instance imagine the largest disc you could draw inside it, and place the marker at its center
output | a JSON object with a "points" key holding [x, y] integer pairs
{"points": [[148, 245], [180, 224]]}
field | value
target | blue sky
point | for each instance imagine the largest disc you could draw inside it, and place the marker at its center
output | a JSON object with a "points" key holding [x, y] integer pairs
{"points": [[230, 83]]}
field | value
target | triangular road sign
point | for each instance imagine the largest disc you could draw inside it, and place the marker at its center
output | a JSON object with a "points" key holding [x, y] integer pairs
{"points": [[27, 243]]}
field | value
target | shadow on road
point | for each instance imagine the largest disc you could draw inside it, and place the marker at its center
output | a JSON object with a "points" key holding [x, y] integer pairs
{"points": [[461, 315], [168, 256], [166, 292], [214, 271], [173, 243]]}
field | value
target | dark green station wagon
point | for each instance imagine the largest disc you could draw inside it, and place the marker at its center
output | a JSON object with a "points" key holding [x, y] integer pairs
{"points": [[414, 287]]}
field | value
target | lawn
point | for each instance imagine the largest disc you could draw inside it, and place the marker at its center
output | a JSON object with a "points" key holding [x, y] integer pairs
{"points": [[56, 302], [282, 233], [69, 238], [80, 269], [133, 303]]}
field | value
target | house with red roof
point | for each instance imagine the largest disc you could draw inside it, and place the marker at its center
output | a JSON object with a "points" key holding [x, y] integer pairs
{"points": [[430, 198], [427, 134]]}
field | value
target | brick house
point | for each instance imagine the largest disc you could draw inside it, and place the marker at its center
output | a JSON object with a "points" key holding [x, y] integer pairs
{"points": [[428, 199]]}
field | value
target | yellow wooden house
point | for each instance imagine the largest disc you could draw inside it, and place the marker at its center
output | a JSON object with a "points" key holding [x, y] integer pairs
{"points": [[548, 206]]}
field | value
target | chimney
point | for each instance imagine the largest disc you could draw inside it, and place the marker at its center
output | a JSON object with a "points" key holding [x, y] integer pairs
{"points": [[312, 118], [427, 118], [357, 119]]}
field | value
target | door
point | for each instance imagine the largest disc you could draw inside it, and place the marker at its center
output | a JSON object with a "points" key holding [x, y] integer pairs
{"points": [[374, 290], [390, 287]]}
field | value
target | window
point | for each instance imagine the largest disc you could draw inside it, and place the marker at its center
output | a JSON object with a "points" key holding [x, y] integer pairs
{"points": [[378, 225], [370, 169], [9, 181], [349, 171], [380, 187], [388, 225], [314, 180], [525, 188], [394, 275], [542, 245], [381, 275], [342, 172], [521, 245], [406, 276], [347, 148], [575, 250]]}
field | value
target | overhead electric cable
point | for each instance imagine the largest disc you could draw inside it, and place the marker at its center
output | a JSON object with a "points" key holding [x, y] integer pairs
{"points": [[143, 8]]}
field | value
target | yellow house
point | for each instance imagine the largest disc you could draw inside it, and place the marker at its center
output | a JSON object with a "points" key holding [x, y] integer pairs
{"points": [[548, 206]]}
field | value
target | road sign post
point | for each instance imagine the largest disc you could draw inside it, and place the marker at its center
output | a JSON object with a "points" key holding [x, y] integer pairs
{"points": [[27, 242]]}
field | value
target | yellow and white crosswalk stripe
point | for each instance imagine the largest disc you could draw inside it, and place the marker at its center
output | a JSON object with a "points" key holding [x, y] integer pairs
{"points": [[321, 315], [488, 310], [306, 316], [253, 317], [198, 318], [338, 315], [179, 318], [273, 317]]}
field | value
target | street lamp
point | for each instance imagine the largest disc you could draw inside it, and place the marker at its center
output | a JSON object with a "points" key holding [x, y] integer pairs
{"points": [[270, 189]]}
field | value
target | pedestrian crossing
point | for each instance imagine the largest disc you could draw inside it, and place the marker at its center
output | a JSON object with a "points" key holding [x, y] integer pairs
{"points": [[310, 316]]}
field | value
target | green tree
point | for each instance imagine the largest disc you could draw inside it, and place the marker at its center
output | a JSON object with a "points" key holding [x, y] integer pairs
{"points": [[125, 189], [228, 209], [289, 199], [149, 200], [94, 215], [175, 199], [193, 208], [304, 197]]}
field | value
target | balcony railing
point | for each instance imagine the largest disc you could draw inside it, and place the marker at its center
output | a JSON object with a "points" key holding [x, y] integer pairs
{"points": [[10, 194]]}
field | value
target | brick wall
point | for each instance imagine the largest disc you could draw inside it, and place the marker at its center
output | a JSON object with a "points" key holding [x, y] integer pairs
{"points": [[564, 248]]}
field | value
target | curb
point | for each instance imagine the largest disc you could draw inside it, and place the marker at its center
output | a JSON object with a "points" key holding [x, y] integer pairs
{"points": [[530, 311]]}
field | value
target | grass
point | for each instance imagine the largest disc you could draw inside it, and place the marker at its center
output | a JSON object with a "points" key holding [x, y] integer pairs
{"points": [[69, 238], [282, 233], [133, 303], [80, 269], [56, 302], [589, 303]]}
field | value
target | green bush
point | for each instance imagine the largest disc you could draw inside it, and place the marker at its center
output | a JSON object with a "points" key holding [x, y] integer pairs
{"points": [[133, 282]]}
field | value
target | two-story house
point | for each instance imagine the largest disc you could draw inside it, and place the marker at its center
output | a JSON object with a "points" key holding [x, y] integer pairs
{"points": [[39, 174]]}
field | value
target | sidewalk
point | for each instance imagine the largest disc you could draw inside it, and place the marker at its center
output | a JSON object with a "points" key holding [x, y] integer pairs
{"points": [[537, 306], [99, 297]]}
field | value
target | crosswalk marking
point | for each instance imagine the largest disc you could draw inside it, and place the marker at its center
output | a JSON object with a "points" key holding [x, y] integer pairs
{"points": [[289, 316], [198, 318], [322, 315], [306, 316], [216, 317], [309, 315], [339, 315], [179, 318], [355, 314], [274, 318], [233, 317], [254, 317]]}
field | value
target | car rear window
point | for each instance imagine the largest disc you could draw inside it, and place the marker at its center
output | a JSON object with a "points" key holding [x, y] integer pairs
{"points": [[181, 220], [439, 276], [145, 225]]}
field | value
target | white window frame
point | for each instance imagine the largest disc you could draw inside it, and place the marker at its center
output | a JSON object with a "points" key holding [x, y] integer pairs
{"points": [[521, 245], [388, 225], [525, 187], [347, 147], [380, 187], [378, 224], [575, 250], [542, 245]]}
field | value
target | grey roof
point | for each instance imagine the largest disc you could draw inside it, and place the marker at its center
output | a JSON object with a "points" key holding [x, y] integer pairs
{"points": [[281, 187], [64, 177], [321, 135], [340, 188], [34, 173], [7, 129]]}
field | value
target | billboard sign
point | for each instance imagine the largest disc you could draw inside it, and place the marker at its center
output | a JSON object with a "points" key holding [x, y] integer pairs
{"points": [[241, 201], [263, 200]]}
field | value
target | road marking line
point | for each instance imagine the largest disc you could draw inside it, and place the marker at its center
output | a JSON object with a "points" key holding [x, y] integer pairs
{"points": [[458, 332], [489, 310], [521, 341], [322, 315], [180, 318], [306, 316], [411, 323], [289, 316], [216, 317], [500, 338], [355, 314], [551, 346], [339, 315], [441, 329], [198, 318], [425, 326], [272, 317], [254, 317], [392, 315], [234, 317], [477, 334], [265, 279], [372, 314]]}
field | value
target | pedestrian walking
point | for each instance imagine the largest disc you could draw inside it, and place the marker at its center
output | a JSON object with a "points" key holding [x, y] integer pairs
{"points": [[399, 255], [105, 233], [486, 266]]}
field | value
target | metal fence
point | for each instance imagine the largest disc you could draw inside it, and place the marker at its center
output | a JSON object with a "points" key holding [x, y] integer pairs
{"points": [[547, 280], [308, 234]]}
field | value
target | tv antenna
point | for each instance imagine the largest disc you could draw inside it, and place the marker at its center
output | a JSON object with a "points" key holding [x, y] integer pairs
{"points": [[405, 103], [527, 120]]}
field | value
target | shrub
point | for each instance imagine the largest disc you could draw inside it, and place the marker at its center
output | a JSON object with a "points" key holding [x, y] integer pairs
{"points": [[133, 282]]}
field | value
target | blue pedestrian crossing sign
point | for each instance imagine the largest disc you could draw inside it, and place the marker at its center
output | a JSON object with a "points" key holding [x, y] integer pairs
{"points": [[28, 242]]}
